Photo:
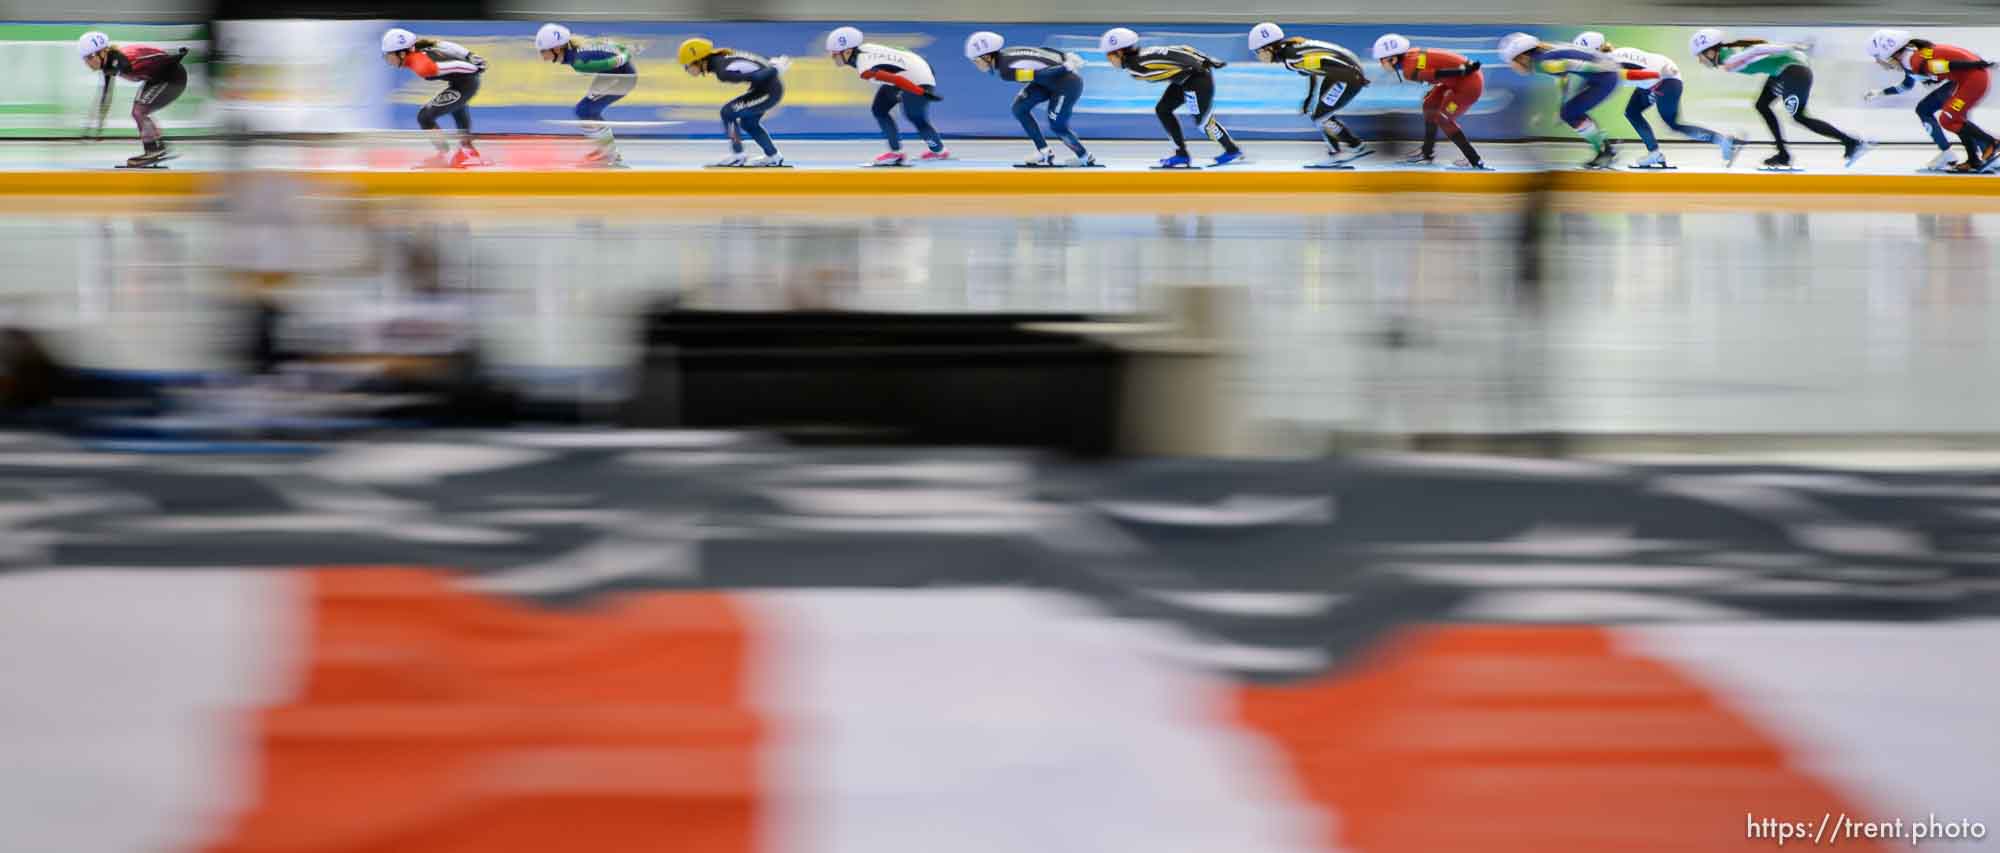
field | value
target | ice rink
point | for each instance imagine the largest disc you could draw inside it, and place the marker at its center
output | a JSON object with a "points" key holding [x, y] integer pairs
{"points": [[1674, 313]]}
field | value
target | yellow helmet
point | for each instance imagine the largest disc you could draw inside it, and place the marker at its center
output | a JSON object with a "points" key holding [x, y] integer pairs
{"points": [[695, 50]]}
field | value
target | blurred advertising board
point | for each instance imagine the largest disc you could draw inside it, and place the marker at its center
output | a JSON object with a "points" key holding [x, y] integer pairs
{"points": [[294, 76], [49, 92]]}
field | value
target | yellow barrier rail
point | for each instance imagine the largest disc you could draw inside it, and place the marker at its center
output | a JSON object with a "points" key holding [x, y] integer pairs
{"points": [[856, 182]]}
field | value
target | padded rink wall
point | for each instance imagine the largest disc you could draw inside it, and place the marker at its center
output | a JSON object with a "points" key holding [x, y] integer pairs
{"points": [[339, 85]]}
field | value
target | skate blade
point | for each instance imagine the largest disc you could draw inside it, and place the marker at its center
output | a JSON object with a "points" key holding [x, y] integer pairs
{"points": [[1638, 168], [885, 165], [1779, 169], [1330, 167], [1468, 168], [1176, 168], [143, 166], [1037, 166]]}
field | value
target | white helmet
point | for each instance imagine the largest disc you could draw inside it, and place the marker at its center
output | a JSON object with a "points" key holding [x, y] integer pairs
{"points": [[1702, 40], [1884, 43], [981, 43], [1515, 44], [844, 38], [1592, 40], [91, 42], [1117, 38], [398, 39], [1389, 45], [551, 36], [1264, 35]]}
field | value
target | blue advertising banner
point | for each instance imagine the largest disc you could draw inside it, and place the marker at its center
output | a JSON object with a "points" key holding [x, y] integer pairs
{"points": [[1255, 100]]}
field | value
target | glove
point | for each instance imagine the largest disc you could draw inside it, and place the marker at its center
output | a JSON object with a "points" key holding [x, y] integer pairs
{"points": [[932, 96], [781, 63], [1217, 63], [1871, 94], [1072, 62], [1472, 66]]}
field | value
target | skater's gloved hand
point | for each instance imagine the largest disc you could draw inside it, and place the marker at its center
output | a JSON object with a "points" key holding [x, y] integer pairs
{"points": [[1072, 62], [1871, 94], [1472, 66], [932, 96], [781, 63]]}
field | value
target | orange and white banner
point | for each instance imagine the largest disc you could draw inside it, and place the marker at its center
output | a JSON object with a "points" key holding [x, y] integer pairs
{"points": [[371, 710]]}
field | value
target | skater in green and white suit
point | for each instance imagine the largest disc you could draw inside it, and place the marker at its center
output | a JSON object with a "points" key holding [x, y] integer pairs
{"points": [[1787, 79]]}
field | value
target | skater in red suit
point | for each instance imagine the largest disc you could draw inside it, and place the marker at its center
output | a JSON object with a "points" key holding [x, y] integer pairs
{"points": [[160, 77], [460, 70], [1963, 80], [1456, 84]]}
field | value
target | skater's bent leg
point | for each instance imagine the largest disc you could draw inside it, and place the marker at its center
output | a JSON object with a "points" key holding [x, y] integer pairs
{"points": [[1797, 81], [1204, 103], [1930, 106], [1763, 104], [1454, 133], [1345, 135], [753, 124], [1024, 108], [1667, 97], [917, 108], [732, 125], [1059, 111], [885, 100], [1635, 112], [1168, 110], [591, 110]]}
